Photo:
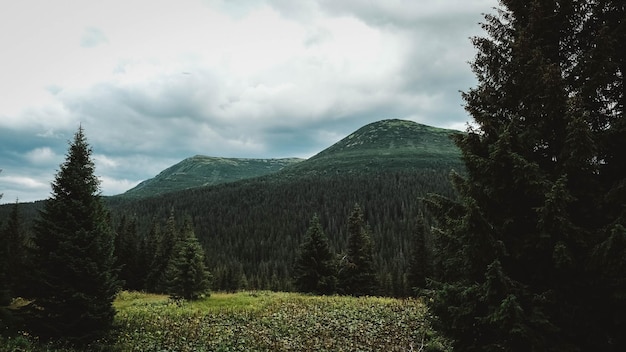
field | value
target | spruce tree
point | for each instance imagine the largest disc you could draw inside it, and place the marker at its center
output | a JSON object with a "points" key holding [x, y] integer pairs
{"points": [[418, 261], [315, 270], [165, 243], [18, 254], [77, 277], [531, 256], [186, 273], [356, 273]]}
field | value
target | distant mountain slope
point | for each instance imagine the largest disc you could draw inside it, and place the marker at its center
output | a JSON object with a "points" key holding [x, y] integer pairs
{"points": [[202, 170], [251, 229], [386, 145]]}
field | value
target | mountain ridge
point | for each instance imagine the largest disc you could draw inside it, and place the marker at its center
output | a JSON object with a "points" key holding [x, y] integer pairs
{"points": [[388, 144], [201, 170]]}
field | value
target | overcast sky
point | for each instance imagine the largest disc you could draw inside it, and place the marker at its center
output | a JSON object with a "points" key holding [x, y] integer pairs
{"points": [[153, 82]]}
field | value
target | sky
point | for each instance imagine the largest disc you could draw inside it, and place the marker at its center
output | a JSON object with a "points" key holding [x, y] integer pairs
{"points": [[153, 82]]}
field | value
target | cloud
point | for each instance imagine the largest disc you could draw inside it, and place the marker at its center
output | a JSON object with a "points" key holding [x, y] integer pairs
{"points": [[153, 82], [43, 155]]}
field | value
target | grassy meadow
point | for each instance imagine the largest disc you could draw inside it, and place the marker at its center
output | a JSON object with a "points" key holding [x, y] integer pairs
{"points": [[261, 321]]}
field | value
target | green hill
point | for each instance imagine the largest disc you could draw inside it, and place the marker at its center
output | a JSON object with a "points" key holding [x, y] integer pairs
{"points": [[251, 228], [390, 145], [203, 170]]}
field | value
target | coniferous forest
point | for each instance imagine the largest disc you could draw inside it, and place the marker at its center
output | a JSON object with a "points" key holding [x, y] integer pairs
{"points": [[517, 239]]}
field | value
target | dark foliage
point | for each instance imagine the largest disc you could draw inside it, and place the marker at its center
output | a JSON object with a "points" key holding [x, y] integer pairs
{"points": [[165, 244], [247, 228], [77, 279], [357, 276], [419, 261], [17, 254], [186, 273], [315, 270], [532, 257], [250, 230]]}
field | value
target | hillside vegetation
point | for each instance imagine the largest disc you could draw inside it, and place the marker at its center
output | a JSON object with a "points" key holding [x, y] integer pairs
{"points": [[251, 229], [203, 170]]}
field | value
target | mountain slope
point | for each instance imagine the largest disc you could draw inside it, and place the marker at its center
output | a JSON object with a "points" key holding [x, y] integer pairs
{"points": [[202, 170], [386, 145], [251, 229]]}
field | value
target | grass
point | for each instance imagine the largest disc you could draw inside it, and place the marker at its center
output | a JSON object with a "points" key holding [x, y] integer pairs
{"points": [[265, 321]]}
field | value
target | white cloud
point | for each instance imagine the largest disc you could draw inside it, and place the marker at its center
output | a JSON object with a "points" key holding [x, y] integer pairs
{"points": [[43, 155], [25, 182], [156, 81], [112, 186]]}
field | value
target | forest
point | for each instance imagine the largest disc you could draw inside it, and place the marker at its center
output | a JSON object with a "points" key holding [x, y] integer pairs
{"points": [[522, 248], [251, 230]]}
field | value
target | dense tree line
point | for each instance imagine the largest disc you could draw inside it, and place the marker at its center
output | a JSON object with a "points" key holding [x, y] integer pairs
{"points": [[251, 230], [532, 256]]}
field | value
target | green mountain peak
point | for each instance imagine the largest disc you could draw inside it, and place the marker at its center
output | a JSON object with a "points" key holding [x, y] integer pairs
{"points": [[201, 170], [386, 145]]}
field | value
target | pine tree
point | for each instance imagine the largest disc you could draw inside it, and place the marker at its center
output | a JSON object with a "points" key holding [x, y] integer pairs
{"points": [[19, 254], [530, 256], [77, 277], [357, 274], [186, 273], [157, 281], [128, 254], [315, 270], [418, 262]]}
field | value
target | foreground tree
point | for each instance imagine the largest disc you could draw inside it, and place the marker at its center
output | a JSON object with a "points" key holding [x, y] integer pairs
{"points": [[166, 241], [186, 273], [18, 254], [418, 262], [356, 273], [532, 256], [315, 270], [75, 244]]}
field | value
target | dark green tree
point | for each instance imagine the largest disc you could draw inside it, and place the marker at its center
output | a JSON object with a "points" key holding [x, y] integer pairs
{"points": [[315, 270], [129, 254], [531, 257], [18, 254], [357, 275], [166, 240], [75, 244], [186, 273], [418, 261]]}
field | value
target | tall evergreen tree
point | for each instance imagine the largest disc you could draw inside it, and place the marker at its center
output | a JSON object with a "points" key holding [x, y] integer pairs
{"points": [[532, 256], [75, 244], [129, 255], [418, 262], [165, 243], [357, 274], [18, 254], [186, 273], [315, 270]]}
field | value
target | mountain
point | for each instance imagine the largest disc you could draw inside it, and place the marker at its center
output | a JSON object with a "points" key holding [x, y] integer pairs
{"points": [[203, 170], [383, 145], [251, 228], [386, 145]]}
